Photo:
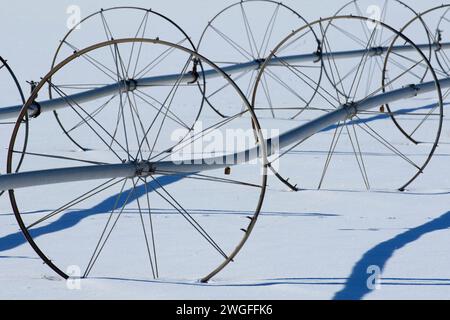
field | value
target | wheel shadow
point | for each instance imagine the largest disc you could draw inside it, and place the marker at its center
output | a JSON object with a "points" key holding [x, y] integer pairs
{"points": [[355, 287], [72, 218]]}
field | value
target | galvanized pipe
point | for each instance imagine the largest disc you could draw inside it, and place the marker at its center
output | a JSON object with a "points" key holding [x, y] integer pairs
{"points": [[298, 134], [79, 98]]}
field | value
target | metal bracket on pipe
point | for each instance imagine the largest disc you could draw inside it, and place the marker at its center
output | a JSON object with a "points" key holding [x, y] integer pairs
{"points": [[318, 52], [34, 110], [9, 112], [194, 72], [376, 51], [295, 135], [260, 62], [438, 42], [415, 88]]}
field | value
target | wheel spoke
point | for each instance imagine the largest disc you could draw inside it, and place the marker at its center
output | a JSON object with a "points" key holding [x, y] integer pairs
{"points": [[168, 101], [143, 27], [247, 55], [120, 78], [249, 33], [269, 32], [204, 177], [196, 136], [71, 104], [44, 155], [334, 143], [354, 141], [299, 74], [150, 219], [144, 230], [188, 217], [371, 132], [92, 115], [361, 66], [94, 62], [155, 62], [172, 116]]}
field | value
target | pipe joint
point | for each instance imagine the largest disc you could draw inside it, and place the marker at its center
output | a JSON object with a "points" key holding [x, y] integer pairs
{"points": [[376, 51], [131, 85], [352, 109], [415, 88], [260, 62]]}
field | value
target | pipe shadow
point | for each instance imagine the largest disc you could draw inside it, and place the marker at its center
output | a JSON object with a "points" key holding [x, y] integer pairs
{"points": [[243, 213], [70, 219], [356, 286], [295, 281]]}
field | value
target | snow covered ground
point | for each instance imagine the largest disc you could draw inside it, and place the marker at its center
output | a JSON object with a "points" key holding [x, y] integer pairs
{"points": [[307, 245]]}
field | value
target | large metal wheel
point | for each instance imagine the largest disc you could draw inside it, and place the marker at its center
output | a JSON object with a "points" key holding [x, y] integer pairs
{"points": [[107, 24], [148, 226], [413, 130], [352, 157], [10, 87], [243, 33]]}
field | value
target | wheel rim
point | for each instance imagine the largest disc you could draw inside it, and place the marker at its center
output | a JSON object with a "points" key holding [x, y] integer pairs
{"points": [[33, 231], [11, 78], [443, 59], [379, 11], [419, 76]]}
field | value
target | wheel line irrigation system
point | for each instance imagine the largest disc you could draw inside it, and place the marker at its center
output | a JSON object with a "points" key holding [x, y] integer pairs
{"points": [[265, 147]]}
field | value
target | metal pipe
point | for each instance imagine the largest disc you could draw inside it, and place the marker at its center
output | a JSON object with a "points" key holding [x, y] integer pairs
{"points": [[298, 134], [54, 176], [59, 103]]}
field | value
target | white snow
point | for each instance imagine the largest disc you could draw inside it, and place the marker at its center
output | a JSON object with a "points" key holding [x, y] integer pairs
{"points": [[306, 245]]}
